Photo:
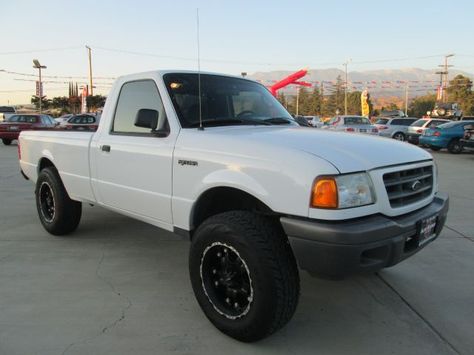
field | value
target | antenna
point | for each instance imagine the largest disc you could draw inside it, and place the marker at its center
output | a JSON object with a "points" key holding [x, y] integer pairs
{"points": [[199, 71]]}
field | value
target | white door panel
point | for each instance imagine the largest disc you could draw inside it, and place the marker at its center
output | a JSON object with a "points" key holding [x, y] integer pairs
{"points": [[136, 175]]}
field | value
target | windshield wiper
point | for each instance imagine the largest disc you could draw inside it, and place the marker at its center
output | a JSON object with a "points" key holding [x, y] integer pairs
{"points": [[228, 121], [278, 120]]}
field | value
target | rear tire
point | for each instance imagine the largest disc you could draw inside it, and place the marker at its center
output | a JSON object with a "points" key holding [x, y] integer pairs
{"points": [[244, 274], [399, 136], [6, 141], [58, 214], [455, 147]]}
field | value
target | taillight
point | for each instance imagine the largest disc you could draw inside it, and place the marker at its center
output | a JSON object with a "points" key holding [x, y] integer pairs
{"points": [[419, 131], [350, 129], [437, 133], [382, 127]]}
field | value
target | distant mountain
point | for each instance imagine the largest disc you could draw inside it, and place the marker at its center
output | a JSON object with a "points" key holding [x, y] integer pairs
{"points": [[379, 82]]}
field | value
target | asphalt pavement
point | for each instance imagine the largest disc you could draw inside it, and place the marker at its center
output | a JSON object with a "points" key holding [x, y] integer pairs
{"points": [[119, 286]]}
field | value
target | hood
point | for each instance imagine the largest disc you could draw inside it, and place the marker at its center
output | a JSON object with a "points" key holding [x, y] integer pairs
{"points": [[348, 152]]}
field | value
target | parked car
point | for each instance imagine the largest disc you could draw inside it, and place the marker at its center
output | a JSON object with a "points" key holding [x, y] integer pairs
{"points": [[351, 124], [63, 119], [314, 121], [395, 128], [217, 159], [81, 122], [415, 130], [6, 112], [301, 120], [10, 129], [467, 142], [449, 110], [393, 114], [447, 136]]}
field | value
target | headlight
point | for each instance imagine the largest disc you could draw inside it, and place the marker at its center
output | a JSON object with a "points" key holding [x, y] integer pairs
{"points": [[342, 191]]}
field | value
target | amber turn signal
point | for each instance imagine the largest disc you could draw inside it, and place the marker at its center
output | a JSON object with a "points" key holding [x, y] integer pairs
{"points": [[324, 193]]}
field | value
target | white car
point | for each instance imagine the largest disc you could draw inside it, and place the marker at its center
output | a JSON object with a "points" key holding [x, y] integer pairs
{"points": [[6, 112], [351, 124], [258, 195]]}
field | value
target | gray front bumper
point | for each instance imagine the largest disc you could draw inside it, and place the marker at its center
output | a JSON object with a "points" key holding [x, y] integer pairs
{"points": [[339, 248]]}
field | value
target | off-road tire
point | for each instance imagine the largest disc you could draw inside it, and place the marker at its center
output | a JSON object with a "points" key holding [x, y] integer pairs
{"points": [[6, 141], [455, 147], [66, 213], [262, 245]]}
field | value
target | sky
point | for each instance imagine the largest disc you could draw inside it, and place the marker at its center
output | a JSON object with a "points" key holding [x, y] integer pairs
{"points": [[235, 36]]}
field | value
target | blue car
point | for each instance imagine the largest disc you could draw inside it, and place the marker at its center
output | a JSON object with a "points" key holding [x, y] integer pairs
{"points": [[446, 135]]}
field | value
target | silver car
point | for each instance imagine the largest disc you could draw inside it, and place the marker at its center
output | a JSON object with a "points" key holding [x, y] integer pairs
{"points": [[351, 124], [395, 128], [418, 127]]}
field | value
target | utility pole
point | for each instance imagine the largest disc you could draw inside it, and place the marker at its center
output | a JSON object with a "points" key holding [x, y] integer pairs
{"points": [[345, 85], [444, 75], [89, 50], [297, 99], [38, 66], [406, 100]]}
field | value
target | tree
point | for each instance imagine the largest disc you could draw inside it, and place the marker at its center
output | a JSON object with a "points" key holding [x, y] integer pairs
{"points": [[315, 102], [60, 102], [95, 102], [421, 104], [45, 103], [460, 91], [335, 100]]}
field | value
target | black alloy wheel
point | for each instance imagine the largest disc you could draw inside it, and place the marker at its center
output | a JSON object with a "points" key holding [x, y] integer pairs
{"points": [[226, 280]]}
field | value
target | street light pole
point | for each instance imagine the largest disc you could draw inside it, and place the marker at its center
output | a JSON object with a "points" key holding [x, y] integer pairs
{"points": [[38, 66], [345, 86], [89, 50]]}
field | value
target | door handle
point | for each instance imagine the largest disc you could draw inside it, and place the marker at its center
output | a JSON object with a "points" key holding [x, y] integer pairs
{"points": [[105, 148]]}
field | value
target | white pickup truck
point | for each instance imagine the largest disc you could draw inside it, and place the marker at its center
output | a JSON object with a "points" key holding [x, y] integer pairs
{"points": [[218, 159]]}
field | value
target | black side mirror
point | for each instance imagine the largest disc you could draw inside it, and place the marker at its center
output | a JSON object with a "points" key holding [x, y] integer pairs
{"points": [[147, 118]]}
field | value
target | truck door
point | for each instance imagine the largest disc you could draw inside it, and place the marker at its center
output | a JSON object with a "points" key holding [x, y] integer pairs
{"points": [[133, 164]]}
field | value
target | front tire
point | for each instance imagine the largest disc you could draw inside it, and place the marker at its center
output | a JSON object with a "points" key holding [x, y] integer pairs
{"points": [[244, 274], [6, 141], [454, 147], [399, 136], [58, 214]]}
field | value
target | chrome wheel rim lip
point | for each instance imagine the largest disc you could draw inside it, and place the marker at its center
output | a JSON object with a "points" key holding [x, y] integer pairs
{"points": [[47, 202], [207, 293]]}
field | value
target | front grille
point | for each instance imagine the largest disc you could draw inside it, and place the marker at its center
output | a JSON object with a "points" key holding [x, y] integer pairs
{"points": [[408, 186]]}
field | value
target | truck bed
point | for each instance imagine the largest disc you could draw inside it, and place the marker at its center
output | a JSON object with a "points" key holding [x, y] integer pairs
{"points": [[71, 155]]}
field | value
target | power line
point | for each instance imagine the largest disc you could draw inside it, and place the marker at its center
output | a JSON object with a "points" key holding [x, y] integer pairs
{"points": [[59, 76], [39, 50]]}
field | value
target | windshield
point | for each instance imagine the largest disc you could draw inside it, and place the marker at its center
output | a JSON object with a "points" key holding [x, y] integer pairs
{"points": [[419, 123], [356, 120], [224, 101], [381, 121]]}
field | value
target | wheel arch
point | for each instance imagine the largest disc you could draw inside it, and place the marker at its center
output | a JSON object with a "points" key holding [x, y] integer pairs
{"points": [[45, 162], [221, 199]]}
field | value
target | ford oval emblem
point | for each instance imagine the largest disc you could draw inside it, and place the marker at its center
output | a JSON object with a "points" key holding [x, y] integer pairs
{"points": [[416, 185]]}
